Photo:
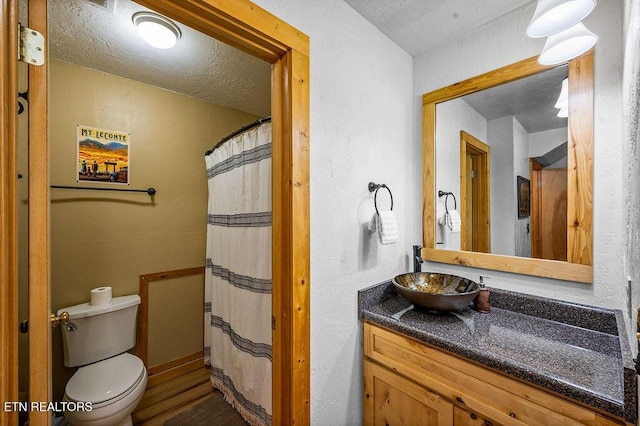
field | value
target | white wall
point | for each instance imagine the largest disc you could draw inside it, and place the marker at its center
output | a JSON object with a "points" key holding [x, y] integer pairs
{"points": [[361, 131], [503, 42], [542, 142], [631, 109], [503, 195], [521, 168], [451, 117]]}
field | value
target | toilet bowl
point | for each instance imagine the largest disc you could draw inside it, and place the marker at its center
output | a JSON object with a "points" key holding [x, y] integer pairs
{"points": [[113, 387], [109, 382]]}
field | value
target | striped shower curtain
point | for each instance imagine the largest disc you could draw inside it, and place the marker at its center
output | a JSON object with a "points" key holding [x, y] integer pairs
{"points": [[238, 280]]}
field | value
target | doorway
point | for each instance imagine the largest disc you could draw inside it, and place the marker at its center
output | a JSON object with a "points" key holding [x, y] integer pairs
{"points": [[474, 194], [548, 212], [242, 25]]}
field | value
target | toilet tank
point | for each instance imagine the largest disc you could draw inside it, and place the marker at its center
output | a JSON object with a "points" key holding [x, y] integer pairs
{"points": [[95, 333]]}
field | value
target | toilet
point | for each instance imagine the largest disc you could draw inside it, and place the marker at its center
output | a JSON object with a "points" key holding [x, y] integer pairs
{"points": [[96, 339]]}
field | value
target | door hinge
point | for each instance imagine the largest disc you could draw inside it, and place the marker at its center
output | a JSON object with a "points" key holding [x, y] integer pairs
{"points": [[473, 174], [31, 46], [273, 323]]}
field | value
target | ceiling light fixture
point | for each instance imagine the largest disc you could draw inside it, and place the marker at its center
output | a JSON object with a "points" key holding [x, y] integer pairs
{"points": [[554, 16], [563, 99], [156, 30], [566, 45]]}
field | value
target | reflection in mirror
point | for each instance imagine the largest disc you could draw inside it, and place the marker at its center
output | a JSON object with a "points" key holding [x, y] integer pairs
{"points": [[502, 152], [492, 164]]}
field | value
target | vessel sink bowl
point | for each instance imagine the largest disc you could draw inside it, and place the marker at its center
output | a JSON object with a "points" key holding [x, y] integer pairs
{"points": [[436, 292]]}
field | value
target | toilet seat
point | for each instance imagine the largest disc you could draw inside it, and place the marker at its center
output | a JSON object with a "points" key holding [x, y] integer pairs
{"points": [[107, 381]]}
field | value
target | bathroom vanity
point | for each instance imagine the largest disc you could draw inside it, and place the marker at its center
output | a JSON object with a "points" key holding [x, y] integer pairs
{"points": [[530, 360]]}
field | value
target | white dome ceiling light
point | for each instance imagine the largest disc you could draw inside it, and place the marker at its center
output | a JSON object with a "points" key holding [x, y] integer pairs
{"points": [[156, 30]]}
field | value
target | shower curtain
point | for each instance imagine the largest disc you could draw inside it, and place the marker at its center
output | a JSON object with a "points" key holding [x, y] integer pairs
{"points": [[238, 279]]}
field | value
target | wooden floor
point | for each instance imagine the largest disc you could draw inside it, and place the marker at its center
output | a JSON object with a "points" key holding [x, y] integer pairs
{"points": [[175, 397]]}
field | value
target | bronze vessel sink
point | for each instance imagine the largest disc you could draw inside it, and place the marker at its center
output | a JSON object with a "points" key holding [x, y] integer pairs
{"points": [[435, 291]]}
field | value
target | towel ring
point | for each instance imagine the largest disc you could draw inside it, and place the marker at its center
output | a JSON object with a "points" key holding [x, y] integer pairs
{"points": [[375, 187], [446, 198]]}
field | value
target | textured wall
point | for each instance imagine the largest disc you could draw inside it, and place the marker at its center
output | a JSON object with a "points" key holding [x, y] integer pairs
{"points": [[631, 109], [361, 131], [111, 238], [502, 42]]}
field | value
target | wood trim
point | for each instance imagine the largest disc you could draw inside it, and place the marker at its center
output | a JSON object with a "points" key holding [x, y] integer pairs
{"points": [[489, 79], [580, 161], [517, 265], [428, 176], [582, 195], [172, 373], [482, 234], [290, 163], [176, 363], [142, 334], [239, 23], [535, 169], [39, 202], [8, 208]]}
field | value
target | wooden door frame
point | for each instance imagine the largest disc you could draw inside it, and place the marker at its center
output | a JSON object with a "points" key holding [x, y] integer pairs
{"points": [[472, 145], [252, 29], [8, 208], [535, 169]]}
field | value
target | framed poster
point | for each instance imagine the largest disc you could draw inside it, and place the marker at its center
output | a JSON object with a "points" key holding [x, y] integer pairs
{"points": [[524, 196], [103, 155]]}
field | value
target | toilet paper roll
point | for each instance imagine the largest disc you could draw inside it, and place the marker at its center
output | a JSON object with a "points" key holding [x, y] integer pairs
{"points": [[100, 296]]}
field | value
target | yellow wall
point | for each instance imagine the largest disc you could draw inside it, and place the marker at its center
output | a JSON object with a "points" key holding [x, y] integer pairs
{"points": [[101, 238]]}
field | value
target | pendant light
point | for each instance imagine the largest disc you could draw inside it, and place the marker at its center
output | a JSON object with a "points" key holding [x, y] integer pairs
{"points": [[567, 45], [156, 30], [554, 16], [563, 99]]}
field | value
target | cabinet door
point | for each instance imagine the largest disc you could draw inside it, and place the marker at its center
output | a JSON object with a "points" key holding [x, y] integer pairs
{"points": [[463, 417], [390, 399]]}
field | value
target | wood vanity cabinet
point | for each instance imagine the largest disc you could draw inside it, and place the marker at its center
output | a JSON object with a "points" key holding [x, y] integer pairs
{"points": [[407, 382]]}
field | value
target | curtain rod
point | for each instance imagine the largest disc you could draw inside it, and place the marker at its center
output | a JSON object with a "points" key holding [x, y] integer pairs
{"points": [[239, 131]]}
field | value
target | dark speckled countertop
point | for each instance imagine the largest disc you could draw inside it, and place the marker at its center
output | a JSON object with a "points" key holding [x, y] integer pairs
{"points": [[575, 350]]}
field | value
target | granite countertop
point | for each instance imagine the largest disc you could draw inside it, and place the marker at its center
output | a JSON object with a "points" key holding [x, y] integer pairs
{"points": [[579, 351]]}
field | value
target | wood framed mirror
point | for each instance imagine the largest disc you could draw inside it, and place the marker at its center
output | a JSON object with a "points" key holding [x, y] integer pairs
{"points": [[579, 181]]}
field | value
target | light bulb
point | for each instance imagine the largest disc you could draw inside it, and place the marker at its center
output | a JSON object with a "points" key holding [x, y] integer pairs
{"points": [[156, 30]]}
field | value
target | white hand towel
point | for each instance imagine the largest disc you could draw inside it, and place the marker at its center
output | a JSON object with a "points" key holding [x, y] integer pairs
{"points": [[441, 213], [455, 223], [385, 225]]}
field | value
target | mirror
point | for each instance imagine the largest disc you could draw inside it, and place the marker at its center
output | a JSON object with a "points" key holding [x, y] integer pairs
{"points": [[488, 144]]}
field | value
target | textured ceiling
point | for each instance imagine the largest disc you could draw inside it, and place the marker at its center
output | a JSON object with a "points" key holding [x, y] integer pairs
{"points": [[84, 33], [420, 25], [530, 100], [89, 35]]}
